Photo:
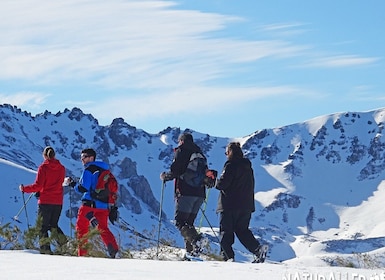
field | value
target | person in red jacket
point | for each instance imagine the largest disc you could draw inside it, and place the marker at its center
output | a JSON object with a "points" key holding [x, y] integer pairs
{"points": [[93, 211], [49, 190]]}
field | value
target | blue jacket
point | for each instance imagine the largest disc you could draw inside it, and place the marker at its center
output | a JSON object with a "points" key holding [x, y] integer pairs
{"points": [[87, 183]]}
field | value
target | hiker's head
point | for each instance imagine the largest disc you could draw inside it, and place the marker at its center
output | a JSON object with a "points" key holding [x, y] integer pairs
{"points": [[234, 150], [185, 137], [88, 155], [48, 152]]}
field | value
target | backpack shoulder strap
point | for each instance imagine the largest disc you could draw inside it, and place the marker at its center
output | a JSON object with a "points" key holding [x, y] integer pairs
{"points": [[94, 168]]}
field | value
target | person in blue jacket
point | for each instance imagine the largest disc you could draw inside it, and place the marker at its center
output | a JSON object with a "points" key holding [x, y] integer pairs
{"points": [[92, 211]]}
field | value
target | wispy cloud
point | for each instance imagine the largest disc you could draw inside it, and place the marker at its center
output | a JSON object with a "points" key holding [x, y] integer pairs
{"points": [[342, 61], [27, 99], [192, 101], [151, 59], [366, 93], [135, 44], [287, 29]]}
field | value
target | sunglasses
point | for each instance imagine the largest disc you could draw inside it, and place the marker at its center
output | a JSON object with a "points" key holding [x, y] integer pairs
{"points": [[84, 156]]}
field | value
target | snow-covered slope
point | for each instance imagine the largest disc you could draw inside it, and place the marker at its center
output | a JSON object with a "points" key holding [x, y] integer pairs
{"points": [[318, 183], [28, 265]]}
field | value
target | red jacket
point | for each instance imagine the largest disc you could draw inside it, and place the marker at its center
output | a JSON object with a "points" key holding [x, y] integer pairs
{"points": [[48, 182]]}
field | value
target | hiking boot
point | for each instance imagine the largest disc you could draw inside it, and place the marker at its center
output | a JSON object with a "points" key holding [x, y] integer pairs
{"points": [[227, 257], [260, 254], [199, 244], [112, 251], [188, 246], [186, 257], [46, 251]]}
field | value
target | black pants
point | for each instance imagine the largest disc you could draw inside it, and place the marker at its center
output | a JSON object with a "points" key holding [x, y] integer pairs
{"points": [[186, 210], [236, 222], [50, 215]]}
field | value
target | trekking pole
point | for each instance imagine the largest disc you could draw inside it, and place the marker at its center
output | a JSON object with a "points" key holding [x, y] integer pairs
{"points": [[126, 226], [160, 217], [70, 213], [216, 236], [212, 229], [25, 209], [204, 209], [16, 217]]}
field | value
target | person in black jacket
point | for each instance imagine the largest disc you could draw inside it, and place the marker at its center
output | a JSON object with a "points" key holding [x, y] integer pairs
{"points": [[188, 199], [236, 203]]}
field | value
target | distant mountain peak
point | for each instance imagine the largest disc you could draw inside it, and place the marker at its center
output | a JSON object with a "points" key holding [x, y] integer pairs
{"points": [[306, 173]]}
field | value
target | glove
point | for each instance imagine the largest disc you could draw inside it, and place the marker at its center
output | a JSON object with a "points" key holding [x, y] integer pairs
{"points": [[211, 178], [90, 216], [211, 173], [37, 194], [113, 215], [21, 187], [166, 176], [69, 182]]}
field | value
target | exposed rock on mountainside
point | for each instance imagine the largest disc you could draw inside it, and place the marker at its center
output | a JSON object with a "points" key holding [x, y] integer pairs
{"points": [[307, 174]]}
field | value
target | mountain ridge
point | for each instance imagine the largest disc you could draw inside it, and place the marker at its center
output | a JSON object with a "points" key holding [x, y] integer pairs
{"points": [[307, 174]]}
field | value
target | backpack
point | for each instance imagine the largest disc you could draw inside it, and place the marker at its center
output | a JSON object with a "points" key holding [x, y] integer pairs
{"points": [[106, 189], [195, 172]]}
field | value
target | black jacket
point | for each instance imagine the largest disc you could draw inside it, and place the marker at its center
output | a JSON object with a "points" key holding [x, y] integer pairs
{"points": [[236, 185], [178, 167]]}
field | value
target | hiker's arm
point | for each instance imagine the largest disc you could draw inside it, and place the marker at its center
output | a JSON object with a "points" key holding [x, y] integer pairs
{"points": [[226, 177], [38, 184], [84, 184]]}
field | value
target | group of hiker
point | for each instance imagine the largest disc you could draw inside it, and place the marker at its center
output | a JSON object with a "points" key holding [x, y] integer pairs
{"points": [[48, 187], [235, 202]]}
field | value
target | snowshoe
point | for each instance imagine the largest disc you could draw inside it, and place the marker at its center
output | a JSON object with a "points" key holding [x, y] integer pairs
{"points": [[200, 244], [260, 254], [190, 256]]}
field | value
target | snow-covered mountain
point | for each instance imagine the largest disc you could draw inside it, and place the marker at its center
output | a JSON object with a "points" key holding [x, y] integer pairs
{"points": [[318, 183]]}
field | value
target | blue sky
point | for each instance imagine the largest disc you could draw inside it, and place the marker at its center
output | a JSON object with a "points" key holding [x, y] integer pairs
{"points": [[225, 68]]}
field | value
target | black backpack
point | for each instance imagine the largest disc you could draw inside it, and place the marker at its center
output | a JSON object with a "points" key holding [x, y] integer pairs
{"points": [[195, 173]]}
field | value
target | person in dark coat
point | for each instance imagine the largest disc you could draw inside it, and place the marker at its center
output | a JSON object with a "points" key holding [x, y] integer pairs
{"points": [[236, 203], [188, 199], [49, 190]]}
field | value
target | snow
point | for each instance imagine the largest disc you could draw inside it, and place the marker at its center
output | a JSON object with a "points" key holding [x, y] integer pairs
{"points": [[28, 264], [33, 266], [347, 225]]}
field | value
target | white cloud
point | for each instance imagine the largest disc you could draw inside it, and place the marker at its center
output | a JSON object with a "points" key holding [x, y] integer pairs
{"points": [[287, 29], [25, 99], [191, 101], [342, 61], [135, 44]]}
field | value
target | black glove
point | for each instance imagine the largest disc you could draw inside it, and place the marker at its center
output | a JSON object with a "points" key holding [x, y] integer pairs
{"points": [[166, 176], [82, 189], [37, 194], [113, 215], [211, 178]]}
